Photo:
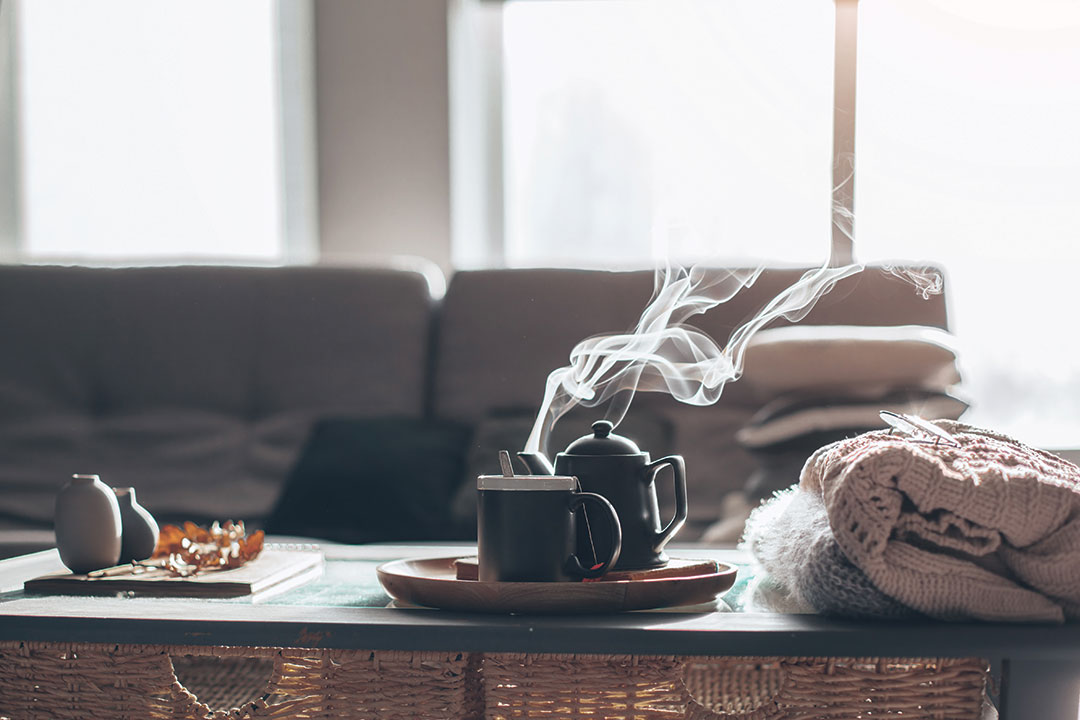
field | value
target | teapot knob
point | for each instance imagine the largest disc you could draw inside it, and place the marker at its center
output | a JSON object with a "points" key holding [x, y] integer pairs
{"points": [[602, 441]]}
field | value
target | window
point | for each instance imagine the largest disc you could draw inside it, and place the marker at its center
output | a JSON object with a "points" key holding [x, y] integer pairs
{"points": [[968, 155], [635, 131], [151, 130]]}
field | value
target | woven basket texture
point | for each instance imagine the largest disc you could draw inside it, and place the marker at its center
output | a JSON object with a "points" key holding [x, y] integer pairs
{"points": [[582, 686], [623, 687], [835, 688], [138, 682], [151, 682]]}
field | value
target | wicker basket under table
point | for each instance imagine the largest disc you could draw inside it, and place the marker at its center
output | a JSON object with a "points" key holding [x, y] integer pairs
{"points": [[137, 682], [707, 688], [140, 682]]}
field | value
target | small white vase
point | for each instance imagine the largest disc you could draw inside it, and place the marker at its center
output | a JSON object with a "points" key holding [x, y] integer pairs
{"points": [[139, 533], [87, 524]]}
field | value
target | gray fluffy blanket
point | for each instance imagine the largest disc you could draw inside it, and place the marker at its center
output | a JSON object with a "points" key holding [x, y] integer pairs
{"points": [[790, 536]]}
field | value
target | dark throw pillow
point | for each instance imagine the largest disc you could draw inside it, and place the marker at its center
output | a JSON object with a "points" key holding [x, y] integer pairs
{"points": [[374, 480]]}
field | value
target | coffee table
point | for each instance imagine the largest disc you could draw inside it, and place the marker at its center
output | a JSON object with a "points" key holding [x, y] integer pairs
{"points": [[1039, 665]]}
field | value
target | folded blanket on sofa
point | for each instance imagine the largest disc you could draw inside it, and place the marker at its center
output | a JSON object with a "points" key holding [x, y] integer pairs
{"points": [[988, 528]]}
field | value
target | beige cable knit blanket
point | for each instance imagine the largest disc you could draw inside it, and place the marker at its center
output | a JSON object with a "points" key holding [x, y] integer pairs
{"points": [[989, 528]]}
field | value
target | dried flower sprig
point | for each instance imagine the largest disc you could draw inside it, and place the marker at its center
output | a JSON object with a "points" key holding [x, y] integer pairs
{"points": [[191, 549]]}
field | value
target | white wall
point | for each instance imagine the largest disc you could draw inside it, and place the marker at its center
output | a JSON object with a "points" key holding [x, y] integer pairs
{"points": [[382, 119]]}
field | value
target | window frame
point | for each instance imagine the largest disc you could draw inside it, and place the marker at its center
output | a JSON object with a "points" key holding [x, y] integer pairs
{"points": [[294, 70]]}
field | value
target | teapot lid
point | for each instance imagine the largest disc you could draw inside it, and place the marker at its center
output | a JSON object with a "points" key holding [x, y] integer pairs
{"points": [[603, 442]]}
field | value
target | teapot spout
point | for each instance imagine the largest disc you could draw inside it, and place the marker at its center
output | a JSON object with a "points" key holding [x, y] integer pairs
{"points": [[537, 463]]}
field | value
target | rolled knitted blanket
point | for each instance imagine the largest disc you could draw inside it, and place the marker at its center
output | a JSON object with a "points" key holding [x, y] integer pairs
{"points": [[985, 528]]}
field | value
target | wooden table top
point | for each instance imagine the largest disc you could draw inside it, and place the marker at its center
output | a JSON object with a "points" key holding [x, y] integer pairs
{"points": [[302, 621]]}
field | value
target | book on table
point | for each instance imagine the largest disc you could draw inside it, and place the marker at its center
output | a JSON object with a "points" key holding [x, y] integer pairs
{"points": [[273, 569]]}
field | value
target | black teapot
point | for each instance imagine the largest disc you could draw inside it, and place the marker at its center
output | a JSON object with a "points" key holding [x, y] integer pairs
{"points": [[613, 466]]}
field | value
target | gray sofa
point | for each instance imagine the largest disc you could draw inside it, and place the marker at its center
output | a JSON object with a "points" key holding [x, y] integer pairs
{"points": [[200, 385]]}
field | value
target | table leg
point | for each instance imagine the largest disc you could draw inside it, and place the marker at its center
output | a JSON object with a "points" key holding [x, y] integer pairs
{"points": [[1040, 689]]}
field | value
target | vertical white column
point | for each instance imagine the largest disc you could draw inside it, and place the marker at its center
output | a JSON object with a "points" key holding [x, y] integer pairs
{"points": [[843, 174], [382, 125], [477, 200], [296, 129]]}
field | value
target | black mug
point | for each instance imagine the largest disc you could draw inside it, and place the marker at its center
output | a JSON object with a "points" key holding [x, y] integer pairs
{"points": [[526, 529]]}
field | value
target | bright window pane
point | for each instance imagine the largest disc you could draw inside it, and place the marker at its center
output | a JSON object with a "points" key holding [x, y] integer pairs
{"points": [[968, 155], [689, 128], [149, 129]]}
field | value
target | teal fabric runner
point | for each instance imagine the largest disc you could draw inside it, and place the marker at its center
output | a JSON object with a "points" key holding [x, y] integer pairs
{"points": [[353, 583], [349, 581], [344, 583]]}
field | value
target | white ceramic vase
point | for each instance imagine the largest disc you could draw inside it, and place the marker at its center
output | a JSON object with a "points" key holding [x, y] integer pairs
{"points": [[87, 524], [139, 533]]}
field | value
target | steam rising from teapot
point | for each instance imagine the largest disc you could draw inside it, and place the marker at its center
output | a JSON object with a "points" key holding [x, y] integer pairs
{"points": [[665, 354]]}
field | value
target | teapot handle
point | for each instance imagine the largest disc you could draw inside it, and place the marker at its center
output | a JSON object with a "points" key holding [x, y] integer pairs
{"points": [[679, 468]]}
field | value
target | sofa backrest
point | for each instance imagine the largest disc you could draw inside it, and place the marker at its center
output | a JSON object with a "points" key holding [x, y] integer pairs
{"points": [[199, 385], [502, 331], [196, 385]]}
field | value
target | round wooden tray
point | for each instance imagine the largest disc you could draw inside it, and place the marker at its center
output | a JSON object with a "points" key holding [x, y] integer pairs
{"points": [[433, 582]]}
